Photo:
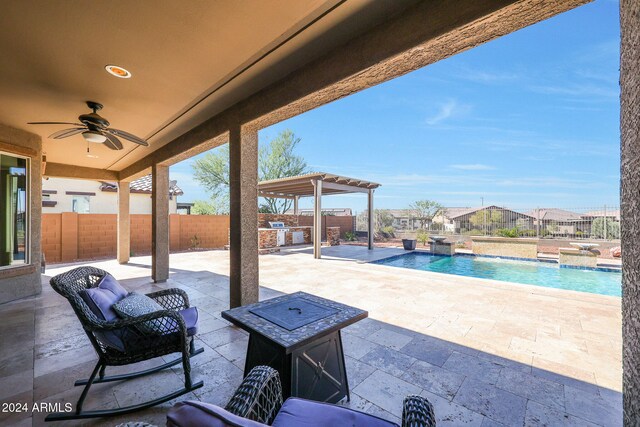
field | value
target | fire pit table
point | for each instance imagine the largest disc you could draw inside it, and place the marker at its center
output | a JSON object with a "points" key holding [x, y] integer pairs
{"points": [[299, 336]]}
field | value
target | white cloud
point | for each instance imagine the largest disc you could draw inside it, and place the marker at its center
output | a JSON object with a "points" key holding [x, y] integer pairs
{"points": [[447, 110], [473, 167]]}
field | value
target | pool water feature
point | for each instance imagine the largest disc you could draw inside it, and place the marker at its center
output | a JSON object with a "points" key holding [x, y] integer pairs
{"points": [[537, 273]]}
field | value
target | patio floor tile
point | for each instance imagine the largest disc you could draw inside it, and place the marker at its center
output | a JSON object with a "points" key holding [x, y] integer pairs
{"points": [[390, 361], [541, 390], [386, 391], [495, 403], [474, 367], [388, 338], [434, 379]]}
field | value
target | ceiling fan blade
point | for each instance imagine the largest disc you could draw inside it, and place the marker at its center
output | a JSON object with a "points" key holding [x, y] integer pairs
{"points": [[128, 136], [55, 123], [112, 142], [65, 133]]}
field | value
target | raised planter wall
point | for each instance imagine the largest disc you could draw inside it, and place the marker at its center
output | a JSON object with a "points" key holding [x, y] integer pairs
{"points": [[577, 258], [505, 247]]}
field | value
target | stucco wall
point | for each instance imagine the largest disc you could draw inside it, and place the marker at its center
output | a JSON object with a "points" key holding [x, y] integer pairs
{"points": [[505, 246], [104, 202], [20, 282]]}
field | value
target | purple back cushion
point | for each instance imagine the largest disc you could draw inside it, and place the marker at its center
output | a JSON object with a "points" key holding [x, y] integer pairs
{"points": [[197, 414], [101, 298]]}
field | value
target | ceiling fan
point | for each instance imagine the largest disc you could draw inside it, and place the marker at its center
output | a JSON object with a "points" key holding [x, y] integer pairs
{"points": [[94, 128]]}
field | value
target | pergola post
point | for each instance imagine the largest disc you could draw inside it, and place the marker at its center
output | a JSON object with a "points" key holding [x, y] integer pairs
{"points": [[243, 242], [370, 216], [295, 205], [317, 218], [630, 206], [124, 223], [159, 223]]}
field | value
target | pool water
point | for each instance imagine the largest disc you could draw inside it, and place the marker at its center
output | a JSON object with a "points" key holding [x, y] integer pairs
{"points": [[537, 273]]}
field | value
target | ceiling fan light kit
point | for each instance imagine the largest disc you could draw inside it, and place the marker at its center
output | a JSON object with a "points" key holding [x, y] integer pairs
{"points": [[92, 136], [94, 128]]}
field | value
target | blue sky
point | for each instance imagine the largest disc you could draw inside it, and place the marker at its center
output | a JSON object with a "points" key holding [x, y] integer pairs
{"points": [[530, 119]]}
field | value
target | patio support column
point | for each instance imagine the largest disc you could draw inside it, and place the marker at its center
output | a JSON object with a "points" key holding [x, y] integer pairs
{"points": [[295, 205], [159, 223], [124, 223], [243, 244], [317, 219], [370, 216], [630, 206]]}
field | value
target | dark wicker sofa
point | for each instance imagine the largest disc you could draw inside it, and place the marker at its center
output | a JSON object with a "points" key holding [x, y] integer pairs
{"points": [[120, 341], [258, 402]]}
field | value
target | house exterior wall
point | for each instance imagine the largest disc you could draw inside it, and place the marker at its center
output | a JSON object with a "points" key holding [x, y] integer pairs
{"points": [[104, 202], [23, 281]]}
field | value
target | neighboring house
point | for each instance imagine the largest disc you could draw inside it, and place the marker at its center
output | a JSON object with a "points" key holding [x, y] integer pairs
{"points": [[82, 196], [559, 222], [184, 208], [404, 219], [459, 220], [325, 211]]}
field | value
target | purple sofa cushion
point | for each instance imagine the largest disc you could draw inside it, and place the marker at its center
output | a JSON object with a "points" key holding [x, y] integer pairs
{"points": [[307, 413], [191, 413], [190, 316]]}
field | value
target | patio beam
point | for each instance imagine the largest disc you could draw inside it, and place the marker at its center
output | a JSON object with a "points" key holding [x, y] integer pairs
{"points": [[344, 188], [370, 223], [60, 170], [159, 223], [317, 219], [124, 223], [243, 244], [630, 206]]}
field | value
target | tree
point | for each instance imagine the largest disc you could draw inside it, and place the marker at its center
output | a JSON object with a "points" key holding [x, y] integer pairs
{"points": [[489, 218], [213, 206], [425, 210], [276, 160], [597, 228]]}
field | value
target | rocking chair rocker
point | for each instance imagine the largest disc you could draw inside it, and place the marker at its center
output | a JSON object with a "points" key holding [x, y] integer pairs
{"points": [[121, 342]]}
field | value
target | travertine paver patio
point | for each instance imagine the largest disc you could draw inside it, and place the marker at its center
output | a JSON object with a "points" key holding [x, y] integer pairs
{"points": [[485, 353]]}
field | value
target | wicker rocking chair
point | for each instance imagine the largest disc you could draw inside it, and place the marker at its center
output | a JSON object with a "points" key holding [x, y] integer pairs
{"points": [[135, 346]]}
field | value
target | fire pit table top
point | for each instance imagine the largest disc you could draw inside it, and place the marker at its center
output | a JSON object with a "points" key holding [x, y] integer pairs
{"points": [[294, 320]]}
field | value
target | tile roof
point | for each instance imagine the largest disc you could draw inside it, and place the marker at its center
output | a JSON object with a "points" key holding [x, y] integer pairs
{"points": [[142, 185]]}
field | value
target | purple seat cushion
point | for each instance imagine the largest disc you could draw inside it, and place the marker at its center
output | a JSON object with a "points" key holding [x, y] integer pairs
{"points": [[190, 316], [191, 413], [307, 413]]}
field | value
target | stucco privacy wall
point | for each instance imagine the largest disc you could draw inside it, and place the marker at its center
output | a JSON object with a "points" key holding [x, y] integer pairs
{"points": [[344, 222], [20, 282], [70, 236], [630, 206]]}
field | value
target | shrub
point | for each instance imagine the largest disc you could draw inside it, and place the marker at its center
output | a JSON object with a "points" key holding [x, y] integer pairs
{"points": [[527, 233], [350, 236], [507, 232], [422, 236], [474, 232], [460, 244], [195, 242], [388, 232]]}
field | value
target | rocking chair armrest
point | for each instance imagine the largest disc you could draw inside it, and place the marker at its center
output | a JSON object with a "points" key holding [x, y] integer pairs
{"points": [[417, 411], [259, 397], [171, 299]]}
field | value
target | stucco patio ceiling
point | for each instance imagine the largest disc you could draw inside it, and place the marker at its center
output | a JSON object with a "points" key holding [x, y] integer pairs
{"points": [[189, 60]]}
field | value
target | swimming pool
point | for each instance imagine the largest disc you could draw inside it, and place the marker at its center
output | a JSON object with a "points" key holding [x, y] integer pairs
{"points": [[549, 275]]}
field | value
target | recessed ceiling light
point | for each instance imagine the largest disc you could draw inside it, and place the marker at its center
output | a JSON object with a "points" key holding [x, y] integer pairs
{"points": [[117, 71]]}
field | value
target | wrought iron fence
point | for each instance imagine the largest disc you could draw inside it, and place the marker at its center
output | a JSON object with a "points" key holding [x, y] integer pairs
{"points": [[594, 223]]}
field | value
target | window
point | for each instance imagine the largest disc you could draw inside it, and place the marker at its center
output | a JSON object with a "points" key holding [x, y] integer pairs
{"points": [[80, 204], [14, 210]]}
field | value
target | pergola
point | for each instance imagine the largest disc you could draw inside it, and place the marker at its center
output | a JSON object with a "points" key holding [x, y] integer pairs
{"points": [[316, 184]]}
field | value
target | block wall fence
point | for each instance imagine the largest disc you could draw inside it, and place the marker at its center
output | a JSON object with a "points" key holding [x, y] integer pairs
{"points": [[69, 236]]}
